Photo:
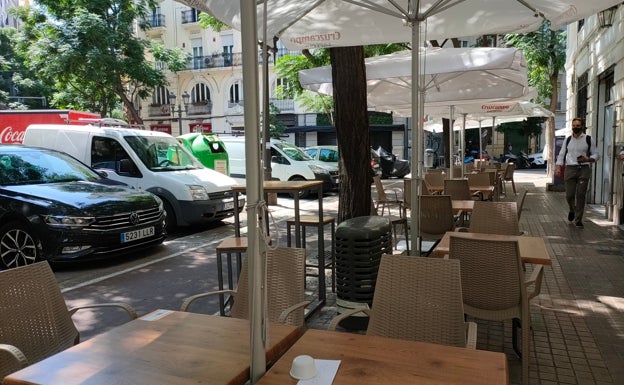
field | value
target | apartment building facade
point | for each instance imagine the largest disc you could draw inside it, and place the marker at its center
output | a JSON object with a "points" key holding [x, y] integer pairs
{"points": [[595, 92], [209, 93]]}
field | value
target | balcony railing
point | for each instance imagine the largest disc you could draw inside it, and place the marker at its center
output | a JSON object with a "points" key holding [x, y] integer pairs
{"points": [[227, 59], [235, 103], [159, 110], [200, 108], [283, 104]]}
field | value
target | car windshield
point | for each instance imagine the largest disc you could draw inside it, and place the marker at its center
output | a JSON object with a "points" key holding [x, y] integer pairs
{"points": [[293, 152], [162, 153], [39, 166]]}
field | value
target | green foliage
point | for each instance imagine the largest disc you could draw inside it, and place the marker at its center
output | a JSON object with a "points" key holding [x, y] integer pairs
{"points": [[206, 21], [15, 74], [176, 58], [276, 128], [87, 52], [287, 68], [324, 120], [545, 53], [375, 117]]}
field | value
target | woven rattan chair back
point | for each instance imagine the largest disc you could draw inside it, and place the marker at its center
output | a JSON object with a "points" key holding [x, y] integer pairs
{"points": [[493, 285], [385, 200], [520, 201], [285, 281], [435, 180], [418, 299], [509, 176], [494, 218], [33, 314], [436, 216], [458, 189]]}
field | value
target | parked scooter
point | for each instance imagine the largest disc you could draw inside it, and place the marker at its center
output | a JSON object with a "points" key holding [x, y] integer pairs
{"points": [[390, 165]]}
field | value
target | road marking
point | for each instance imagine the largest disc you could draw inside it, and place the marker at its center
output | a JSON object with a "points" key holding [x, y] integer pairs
{"points": [[115, 274]]}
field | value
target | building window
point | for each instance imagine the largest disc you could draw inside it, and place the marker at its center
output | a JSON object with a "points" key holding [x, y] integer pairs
{"points": [[160, 96], [581, 96], [235, 94], [200, 93]]}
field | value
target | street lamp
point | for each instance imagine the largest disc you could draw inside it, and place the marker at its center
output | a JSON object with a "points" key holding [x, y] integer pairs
{"points": [[605, 18], [179, 110]]}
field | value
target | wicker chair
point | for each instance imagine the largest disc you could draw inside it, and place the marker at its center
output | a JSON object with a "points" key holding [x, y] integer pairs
{"points": [[508, 176], [494, 286], [435, 180], [418, 299], [386, 198], [34, 320], [458, 189], [479, 180], [493, 218], [285, 271], [436, 218], [520, 201]]}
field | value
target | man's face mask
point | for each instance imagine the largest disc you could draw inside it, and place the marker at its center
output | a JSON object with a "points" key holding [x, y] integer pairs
{"points": [[577, 129]]}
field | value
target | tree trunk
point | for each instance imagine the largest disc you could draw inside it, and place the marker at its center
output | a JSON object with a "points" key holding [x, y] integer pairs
{"points": [[352, 130]]}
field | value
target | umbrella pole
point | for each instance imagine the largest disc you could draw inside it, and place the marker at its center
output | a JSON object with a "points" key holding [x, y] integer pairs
{"points": [[254, 189], [462, 143], [417, 137], [451, 144]]}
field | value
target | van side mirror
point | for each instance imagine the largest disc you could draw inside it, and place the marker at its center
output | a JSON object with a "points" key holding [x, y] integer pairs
{"points": [[127, 167]]}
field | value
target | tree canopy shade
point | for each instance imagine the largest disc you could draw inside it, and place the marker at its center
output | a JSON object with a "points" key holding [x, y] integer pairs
{"points": [[87, 51], [545, 52]]}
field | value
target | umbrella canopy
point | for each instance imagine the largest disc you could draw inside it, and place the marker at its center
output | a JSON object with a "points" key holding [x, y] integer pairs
{"points": [[336, 23], [341, 23], [451, 76]]}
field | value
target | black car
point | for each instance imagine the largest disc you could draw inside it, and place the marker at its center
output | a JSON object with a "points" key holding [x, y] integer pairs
{"points": [[55, 208]]}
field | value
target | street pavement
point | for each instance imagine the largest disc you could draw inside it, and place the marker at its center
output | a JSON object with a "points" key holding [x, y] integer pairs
{"points": [[578, 320]]}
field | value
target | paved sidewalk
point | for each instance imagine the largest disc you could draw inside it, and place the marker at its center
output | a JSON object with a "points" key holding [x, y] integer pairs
{"points": [[578, 320]]}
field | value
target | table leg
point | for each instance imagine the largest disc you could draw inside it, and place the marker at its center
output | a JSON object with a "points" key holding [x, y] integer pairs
{"points": [[321, 248], [220, 283], [236, 217]]}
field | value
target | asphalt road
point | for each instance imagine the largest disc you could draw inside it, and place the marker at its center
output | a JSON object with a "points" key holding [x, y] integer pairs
{"points": [[160, 278]]}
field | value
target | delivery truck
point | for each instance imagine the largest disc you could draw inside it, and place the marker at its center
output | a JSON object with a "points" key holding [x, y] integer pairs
{"points": [[13, 123]]}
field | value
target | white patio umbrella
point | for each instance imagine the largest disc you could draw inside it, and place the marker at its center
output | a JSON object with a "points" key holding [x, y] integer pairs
{"points": [[473, 114], [451, 76], [333, 23]]}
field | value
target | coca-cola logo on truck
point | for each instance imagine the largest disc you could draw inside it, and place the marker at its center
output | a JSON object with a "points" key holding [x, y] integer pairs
{"points": [[11, 135]]}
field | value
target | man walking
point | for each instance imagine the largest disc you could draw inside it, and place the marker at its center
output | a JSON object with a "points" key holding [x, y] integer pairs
{"points": [[576, 156]]}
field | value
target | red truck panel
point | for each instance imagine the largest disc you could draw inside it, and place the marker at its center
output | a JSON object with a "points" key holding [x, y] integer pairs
{"points": [[13, 123]]}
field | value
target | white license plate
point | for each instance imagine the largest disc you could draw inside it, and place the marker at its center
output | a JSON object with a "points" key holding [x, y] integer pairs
{"points": [[137, 234], [228, 206]]}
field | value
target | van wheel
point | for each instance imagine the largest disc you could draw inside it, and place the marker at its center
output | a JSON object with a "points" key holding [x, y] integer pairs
{"points": [[302, 194], [170, 223], [18, 246]]}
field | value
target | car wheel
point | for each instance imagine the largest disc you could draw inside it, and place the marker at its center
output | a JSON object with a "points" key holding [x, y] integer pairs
{"points": [[18, 246], [170, 223], [304, 193]]}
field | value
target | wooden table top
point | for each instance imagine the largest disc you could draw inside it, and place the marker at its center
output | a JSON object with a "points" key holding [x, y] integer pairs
{"points": [[279, 186], [532, 249], [466, 205], [163, 347], [371, 360]]}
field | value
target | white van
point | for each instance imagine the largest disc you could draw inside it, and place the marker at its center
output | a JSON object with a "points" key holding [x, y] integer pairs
{"points": [[288, 162], [146, 160]]}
